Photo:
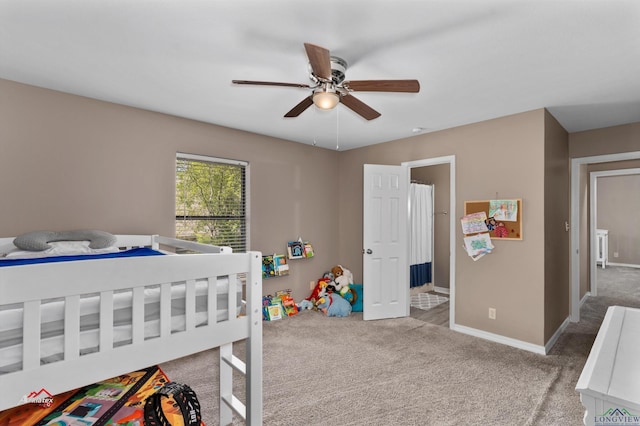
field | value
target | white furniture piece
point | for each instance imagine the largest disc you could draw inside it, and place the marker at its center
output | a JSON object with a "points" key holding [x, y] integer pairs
{"points": [[609, 385], [602, 254], [105, 287]]}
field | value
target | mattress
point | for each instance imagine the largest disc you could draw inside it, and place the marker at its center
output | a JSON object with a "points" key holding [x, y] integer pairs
{"points": [[52, 320]]}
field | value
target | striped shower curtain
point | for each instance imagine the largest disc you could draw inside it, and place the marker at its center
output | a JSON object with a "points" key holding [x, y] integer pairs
{"points": [[421, 218]]}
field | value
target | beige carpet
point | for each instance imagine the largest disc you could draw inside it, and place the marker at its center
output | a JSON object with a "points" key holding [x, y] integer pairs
{"points": [[346, 371]]}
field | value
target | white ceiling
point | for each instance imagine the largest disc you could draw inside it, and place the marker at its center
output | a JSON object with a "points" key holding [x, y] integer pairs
{"points": [[475, 60]]}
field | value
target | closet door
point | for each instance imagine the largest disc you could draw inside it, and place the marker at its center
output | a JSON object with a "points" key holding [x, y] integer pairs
{"points": [[385, 251]]}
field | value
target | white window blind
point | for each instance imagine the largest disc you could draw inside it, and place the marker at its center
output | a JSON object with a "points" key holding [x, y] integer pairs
{"points": [[211, 201]]}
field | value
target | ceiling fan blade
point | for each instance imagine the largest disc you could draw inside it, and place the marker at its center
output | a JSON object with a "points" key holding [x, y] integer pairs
{"points": [[300, 108], [410, 86], [320, 60], [270, 83], [359, 107]]}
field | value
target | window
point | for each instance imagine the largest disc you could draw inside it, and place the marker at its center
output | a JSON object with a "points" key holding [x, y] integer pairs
{"points": [[211, 201]]}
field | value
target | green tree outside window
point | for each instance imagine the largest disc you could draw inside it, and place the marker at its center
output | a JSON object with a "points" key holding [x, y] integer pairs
{"points": [[210, 202]]}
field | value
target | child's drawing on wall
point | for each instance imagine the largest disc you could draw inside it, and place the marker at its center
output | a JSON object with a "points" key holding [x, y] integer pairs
{"points": [[506, 210]]}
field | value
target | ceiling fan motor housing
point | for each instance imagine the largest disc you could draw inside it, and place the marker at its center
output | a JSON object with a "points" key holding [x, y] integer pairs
{"points": [[338, 71]]}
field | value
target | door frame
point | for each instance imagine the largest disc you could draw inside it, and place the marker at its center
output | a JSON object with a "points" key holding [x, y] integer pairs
{"points": [[451, 161], [574, 274]]}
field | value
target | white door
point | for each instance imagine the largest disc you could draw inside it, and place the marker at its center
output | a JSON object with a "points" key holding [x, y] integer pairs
{"points": [[385, 263]]}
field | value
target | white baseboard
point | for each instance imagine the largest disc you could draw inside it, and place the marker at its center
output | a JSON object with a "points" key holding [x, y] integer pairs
{"points": [[500, 339], [444, 290], [584, 298], [556, 335], [542, 350], [627, 265]]}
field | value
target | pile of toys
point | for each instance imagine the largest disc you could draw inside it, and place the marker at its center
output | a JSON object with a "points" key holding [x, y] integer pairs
{"points": [[333, 294], [279, 306]]}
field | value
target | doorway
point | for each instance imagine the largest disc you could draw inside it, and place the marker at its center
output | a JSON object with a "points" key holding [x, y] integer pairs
{"points": [[614, 224], [440, 172], [581, 259]]}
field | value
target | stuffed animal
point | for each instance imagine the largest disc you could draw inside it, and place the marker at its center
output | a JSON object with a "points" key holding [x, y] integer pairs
{"points": [[343, 279], [334, 305], [331, 285], [340, 271], [319, 291], [305, 304]]}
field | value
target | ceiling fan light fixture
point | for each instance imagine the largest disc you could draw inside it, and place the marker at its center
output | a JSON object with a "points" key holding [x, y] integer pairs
{"points": [[325, 98]]}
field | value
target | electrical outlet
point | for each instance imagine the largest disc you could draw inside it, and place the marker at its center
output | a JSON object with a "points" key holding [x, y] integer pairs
{"points": [[492, 313], [615, 254], [312, 285]]}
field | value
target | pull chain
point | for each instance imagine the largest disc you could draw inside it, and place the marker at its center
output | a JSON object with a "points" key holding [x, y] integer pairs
{"points": [[337, 130]]}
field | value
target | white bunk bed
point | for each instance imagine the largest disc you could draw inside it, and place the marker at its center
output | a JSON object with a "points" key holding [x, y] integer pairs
{"points": [[69, 319]]}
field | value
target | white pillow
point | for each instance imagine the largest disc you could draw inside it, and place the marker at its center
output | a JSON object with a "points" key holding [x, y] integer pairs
{"points": [[60, 248]]}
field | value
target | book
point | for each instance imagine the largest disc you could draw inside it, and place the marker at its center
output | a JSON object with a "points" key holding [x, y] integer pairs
{"points": [[289, 305], [266, 302], [268, 267], [308, 250], [295, 249], [275, 312], [275, 308], [280, 265], [284, 293]]}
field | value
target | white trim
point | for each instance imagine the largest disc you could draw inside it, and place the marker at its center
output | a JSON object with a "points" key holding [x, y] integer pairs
{"points": [[593, 237], [451, 160], [556, 335], [211, 159], [433, 231], [626, 265], [443, 290], [617, 172], [585, 297], [501, 339], [574, 307], [247, 207]]}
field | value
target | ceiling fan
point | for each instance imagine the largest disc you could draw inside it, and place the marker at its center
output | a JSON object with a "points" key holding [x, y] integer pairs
{"points": [[329, 87]]}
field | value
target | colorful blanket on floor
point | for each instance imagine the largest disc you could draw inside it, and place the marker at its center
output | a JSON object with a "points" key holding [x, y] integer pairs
{"points": [[116, 401]]}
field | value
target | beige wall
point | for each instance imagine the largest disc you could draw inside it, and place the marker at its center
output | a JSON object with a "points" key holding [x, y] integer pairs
{"points": [[68, 162], [556, 234], [618, 202], [623, 223], [504, 156], [608, 140]]}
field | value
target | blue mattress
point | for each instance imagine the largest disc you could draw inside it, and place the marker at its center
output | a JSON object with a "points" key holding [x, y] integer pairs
{"points": [[136, 252]]}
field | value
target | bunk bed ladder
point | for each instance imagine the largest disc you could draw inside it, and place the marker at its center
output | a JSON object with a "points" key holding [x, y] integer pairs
{"points": [[252, 368], [228, 401]]}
